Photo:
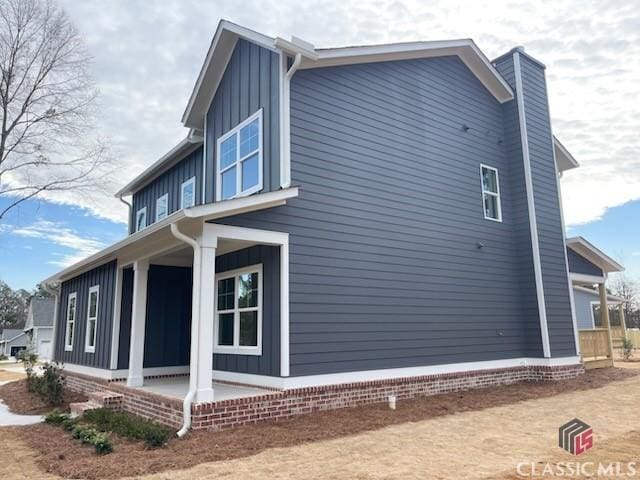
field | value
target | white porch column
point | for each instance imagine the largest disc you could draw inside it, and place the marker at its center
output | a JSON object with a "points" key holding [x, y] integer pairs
{"points": [[138, 319], [208, 242], [604, 314]]}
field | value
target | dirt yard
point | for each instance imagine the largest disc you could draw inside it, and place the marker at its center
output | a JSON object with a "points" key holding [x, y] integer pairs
{"points": [[20, 401], [481, 434]]}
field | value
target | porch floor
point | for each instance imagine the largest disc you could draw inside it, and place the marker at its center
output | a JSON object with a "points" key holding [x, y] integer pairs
{"points": [[178, 388]]}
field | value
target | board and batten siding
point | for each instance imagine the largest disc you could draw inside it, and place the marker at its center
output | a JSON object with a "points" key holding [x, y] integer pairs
{"points": [[105, 277], [250, 82], [269, 362], [169, 182], [579, 264], [392, 263]]}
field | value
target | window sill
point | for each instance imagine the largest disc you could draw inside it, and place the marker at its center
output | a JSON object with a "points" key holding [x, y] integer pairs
{"points": [[257, 189], [68, 349], [254, 351]]}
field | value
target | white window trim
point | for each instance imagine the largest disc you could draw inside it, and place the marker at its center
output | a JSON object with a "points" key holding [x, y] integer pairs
{"points": [[142, 210], [238, 163], [493, 194], [88, 348], [237, 349], [68, 341], [164, 198], [191, 181]]}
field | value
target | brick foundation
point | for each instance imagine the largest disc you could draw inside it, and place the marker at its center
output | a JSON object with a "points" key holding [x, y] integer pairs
{"points": [[284, 404]]}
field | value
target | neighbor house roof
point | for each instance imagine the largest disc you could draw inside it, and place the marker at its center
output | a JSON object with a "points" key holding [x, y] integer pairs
{"points": [[40, 313], [227, 34], [596, 256], [10, 334]]}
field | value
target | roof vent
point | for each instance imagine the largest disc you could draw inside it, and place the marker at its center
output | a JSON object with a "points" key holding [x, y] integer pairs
{"points": [[303, 44]]}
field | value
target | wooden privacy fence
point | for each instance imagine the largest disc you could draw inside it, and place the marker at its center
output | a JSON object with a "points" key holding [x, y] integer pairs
{"points": [[633, 334], [596, 348]]}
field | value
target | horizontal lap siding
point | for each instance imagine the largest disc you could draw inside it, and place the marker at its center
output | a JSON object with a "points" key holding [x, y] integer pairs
{"points": [[548, 213], [250, 82], [579, 264], [269, 362], [170, 182], [104, 276], [385, 269]]}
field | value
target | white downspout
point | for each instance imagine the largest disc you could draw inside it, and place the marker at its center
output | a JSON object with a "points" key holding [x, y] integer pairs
{"points": [[195, 323], [285, 179], [129, 208]]}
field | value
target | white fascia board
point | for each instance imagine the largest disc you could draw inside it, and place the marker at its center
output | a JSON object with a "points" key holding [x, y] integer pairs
{"points": [[294, 48], [581, 279], [564, 159], [592, 253], [184, 147], [202, 212], [465, 49], [240, 205], [220, 50]]}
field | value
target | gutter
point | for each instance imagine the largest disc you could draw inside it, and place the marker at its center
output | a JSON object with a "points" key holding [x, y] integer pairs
{"points": [[285, 180], [129, 209], [195, 324]]}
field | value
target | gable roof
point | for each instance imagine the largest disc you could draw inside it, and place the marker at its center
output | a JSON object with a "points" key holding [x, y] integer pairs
{"points": [[228, 33], [40, 313], [10, 334], [564, 159], [596, 256]]}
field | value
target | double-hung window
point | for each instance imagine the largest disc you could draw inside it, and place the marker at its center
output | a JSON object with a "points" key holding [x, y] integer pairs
{"points": [[141, 219], [162, 207], [491, 193], [92, 319], [188, 193], [239, 159], [71, 321], [238, 327]]}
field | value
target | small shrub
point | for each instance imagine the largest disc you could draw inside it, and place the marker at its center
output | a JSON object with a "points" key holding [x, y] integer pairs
{"points": [[3, 357], [29, 359], [627, 349], [102, 444], [77, 431], [130, 426], [52, 384], [88, 435], [69, 423], [55, 417]]}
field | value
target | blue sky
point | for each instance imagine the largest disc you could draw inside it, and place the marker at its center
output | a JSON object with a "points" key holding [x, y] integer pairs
{"points": [[147, 55]]}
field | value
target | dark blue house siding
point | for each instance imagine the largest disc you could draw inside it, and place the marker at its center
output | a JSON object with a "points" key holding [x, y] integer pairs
{"points": [[548, 213], [167, 336], [522, 229], [579, 264], [104, 276], [251, 82], [169, 182], [386, 268], [269, 362]]}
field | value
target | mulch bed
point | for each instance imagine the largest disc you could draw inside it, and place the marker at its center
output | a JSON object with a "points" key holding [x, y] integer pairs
{"points": [[58, 453], [22, 402]]}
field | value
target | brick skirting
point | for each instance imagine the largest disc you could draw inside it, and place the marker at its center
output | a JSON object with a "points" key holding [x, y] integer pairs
{"points": [[288, 403]]}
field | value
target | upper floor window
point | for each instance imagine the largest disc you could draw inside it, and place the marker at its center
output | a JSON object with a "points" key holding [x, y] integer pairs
{"points": [[92, 319], [188, 193], [491, 193], [239, 159], [162, 207], [141, 219], [238, 327], [71, 321]]}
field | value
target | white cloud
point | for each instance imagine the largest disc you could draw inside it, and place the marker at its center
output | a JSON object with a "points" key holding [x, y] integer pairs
{"points": [[77, 246], [148, 54]]}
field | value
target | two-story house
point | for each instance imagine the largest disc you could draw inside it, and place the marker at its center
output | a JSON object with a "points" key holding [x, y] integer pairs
{"points": [[339, 225]]}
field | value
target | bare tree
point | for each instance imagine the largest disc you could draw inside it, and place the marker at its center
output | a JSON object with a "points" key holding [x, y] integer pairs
{"points": [[626, 288], [46, 98]]}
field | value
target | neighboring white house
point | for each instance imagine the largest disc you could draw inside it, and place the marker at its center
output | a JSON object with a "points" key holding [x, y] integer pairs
{"points": [[12, 340], [39, 326]]}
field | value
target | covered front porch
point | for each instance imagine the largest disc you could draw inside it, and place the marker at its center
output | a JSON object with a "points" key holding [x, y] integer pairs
{"points": [[210, 298]]}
